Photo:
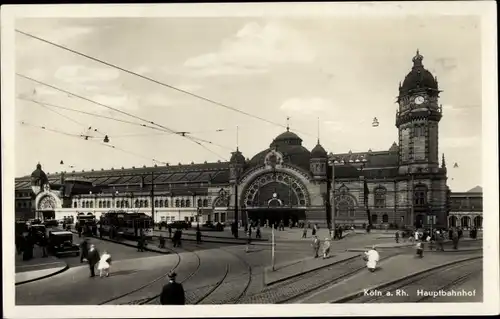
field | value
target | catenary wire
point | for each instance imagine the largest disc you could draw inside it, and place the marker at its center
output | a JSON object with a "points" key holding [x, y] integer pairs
{"points": [[45, 105], [190, 138], [153, 80], [79, 136]]}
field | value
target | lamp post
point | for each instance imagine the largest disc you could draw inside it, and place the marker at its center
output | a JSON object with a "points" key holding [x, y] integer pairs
{"points": [[332, 199]]}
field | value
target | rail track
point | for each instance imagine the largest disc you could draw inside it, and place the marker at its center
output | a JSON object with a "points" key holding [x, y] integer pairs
{"points": [[129, 295], [295, 288], [413, 288]]}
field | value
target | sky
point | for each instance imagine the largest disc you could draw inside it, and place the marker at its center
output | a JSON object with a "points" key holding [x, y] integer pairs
{"points": [[340, 73]]}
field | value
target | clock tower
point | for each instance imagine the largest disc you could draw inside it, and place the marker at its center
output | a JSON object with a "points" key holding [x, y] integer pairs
{"points": [[417, 120]]}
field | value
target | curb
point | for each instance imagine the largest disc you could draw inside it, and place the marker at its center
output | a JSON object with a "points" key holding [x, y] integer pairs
{"points": [[309, 271], [44, 277], [384, 285], [217, 237], [129, 245]]}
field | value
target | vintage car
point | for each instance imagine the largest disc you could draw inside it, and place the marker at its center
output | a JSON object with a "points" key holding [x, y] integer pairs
{"points": [[61, 243], [210, 226], [179, 224]]}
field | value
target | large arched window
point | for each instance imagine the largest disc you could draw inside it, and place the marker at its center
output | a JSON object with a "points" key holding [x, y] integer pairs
{"points": [[200, 202], [126, 203], [374, 218], [183, 203], [161, 202], [91, 204], [146, 203], [75, 204], [380, 194], [420, 195], [188, 203], [118, 204], [109, 204], [156, 203], [177, 203], [100, 204], [166, 202], [205, 203], [136, 204]]}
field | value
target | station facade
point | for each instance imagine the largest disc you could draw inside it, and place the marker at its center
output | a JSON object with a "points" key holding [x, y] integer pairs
{"points": [[401, 185]]}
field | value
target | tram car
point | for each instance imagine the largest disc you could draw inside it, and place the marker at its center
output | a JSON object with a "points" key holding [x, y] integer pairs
{"points": [[127, 224], [87, 221]]}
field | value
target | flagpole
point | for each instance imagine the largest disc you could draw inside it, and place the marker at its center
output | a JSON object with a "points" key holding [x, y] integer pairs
{"points": [[272, 249]]}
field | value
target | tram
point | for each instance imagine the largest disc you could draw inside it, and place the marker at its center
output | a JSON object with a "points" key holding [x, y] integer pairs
{"points": [[126, 223]]}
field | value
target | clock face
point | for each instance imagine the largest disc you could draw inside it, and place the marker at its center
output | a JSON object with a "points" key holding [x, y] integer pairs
{"points": [[419, 100]]}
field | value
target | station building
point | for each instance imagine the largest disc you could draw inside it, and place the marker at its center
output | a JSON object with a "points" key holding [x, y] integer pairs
{"points": [[401, 185]]}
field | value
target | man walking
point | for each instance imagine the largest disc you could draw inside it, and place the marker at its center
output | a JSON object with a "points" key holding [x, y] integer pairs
{"points": [[93, 258], [84, 248], [315, 245], [173, 292]]}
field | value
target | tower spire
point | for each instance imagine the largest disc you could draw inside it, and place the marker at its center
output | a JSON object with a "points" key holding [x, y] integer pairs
{"points": [[443, 162], [237, 137], [318, 130], [288, 123], [417, 59]]}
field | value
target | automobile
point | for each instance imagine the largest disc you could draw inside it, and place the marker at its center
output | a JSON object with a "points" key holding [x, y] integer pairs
{"points": [[61, 243], [51, 223], [209, 225], [179, 224]]}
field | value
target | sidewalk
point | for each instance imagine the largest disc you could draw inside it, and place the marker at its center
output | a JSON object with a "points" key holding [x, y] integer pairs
{"points": [[225, 234], [229, 239], [393, 269], [299, 267], [38, 267]]}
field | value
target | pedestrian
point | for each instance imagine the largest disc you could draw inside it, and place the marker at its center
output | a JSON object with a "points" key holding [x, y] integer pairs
{"points": [[397, 236], [326, 248], [43, 245], [104, 264], [440, 240], [198, 235], [417, 235], [314, 230], [315, 244], [28, 247], [169, 231], [340, 232], [162, 242], [249, 240], [84, 248], [420, 249], [455, 238], [304, 232], [372, 257], [93, 258], [173, 292], [257, 232]]}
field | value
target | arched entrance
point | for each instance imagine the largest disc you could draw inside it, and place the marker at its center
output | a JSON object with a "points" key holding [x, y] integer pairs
{"points": [[478, 222], [275, 197], [46, 207], [465, 222], [452, 221]]}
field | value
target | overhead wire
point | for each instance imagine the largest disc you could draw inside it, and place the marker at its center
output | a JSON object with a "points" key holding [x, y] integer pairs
{"points": [[153, 80], [80, 135], [44, 104], [190, 138]]}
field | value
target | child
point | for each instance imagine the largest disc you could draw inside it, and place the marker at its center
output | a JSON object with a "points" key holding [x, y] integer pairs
{"points": [[104, 264]]}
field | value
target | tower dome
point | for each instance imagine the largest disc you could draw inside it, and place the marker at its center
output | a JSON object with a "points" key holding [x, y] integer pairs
{"points": [[237, 157], [418, 78], [318, 152]]}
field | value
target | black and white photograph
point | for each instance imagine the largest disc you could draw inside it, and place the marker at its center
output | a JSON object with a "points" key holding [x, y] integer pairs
{"points": [[275, 159]]}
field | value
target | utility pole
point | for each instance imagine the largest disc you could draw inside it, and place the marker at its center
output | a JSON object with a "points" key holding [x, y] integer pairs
{"points": [[152, 198], [236, 205], [332, 202]]}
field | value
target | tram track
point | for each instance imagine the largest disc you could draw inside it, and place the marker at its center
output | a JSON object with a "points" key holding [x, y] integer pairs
{"points": [[440, 278], [291, 290], [129, 295]]}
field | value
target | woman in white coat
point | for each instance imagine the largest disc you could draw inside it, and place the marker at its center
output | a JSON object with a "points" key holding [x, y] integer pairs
{"points": [[104, 264], [372, 257]]}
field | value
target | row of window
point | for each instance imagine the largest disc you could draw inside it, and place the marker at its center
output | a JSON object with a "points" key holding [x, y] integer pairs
{"points": [[142, 203], [23, 204], [419, 199]]}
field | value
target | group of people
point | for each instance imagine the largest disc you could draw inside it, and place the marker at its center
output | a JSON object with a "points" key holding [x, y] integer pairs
{"points": [[316, 244], [89, 254], [25, 243]]}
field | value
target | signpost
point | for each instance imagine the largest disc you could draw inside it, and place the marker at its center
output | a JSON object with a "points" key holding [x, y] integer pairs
{"points": [[272, 248]]}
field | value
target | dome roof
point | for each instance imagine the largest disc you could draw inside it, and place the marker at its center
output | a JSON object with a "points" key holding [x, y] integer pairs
{"points": [[290, 145], [287, 136], [318, 152], [418, 78], [40, 175]]}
